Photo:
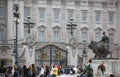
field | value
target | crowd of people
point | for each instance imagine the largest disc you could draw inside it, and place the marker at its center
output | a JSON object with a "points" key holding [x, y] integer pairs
{"points": [[85, 70]]}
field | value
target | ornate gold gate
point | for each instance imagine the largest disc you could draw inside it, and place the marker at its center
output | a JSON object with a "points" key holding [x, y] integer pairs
{"points": [[51, 54]]}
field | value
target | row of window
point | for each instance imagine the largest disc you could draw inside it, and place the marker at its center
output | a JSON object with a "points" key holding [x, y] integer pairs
{"points": [[83, 3], [110, 4], [84, 36], [71, 14], [56, 36]]}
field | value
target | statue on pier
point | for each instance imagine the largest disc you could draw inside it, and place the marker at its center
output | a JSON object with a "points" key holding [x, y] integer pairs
{"points": [[101, 48], [29, 49]]}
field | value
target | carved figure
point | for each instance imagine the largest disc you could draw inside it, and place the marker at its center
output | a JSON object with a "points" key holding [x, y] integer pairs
{"points": [[101, 48]]}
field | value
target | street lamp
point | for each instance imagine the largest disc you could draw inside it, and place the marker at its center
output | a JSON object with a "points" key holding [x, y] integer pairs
{"points": [[16, 20], [29, 23], [84, 52], [71, 26]]}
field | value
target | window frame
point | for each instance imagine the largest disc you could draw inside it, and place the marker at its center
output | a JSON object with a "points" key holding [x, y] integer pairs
{"points": [[3, 12], [54, 14], [97, 37], [41, 36], [42, 11], [109, 17], [111, 38], [83, 15], [56, 38], [97, 16], [84, 36], [28, 9], [2, 34], [70, 13]]}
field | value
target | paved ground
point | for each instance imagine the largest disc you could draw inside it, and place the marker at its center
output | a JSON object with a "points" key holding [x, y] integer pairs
{"points": [[68, 75]]}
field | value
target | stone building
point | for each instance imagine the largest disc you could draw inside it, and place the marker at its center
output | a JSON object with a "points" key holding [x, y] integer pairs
{"points": [[92, 17]]}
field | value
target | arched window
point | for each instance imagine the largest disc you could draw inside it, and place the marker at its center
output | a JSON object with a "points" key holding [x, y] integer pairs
{"points": [[41, 33], [111, 35], [97, 34], [56, 34], [84, 34]]}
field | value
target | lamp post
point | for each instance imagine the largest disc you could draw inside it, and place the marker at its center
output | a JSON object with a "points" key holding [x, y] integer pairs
{"points": [[29, 23], [16, 20], [71, 26], [84, 52], [14, 40]]}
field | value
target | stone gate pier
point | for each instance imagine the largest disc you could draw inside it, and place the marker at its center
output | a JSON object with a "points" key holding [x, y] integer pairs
{"points": [[112, 66]]}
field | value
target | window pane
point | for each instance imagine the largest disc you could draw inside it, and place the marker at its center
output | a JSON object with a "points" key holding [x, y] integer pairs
{"points": [[56, 36], [70, 14], [84, 3], [111, 37], [97, 16], [84, 36], [41, 0], [84, 15], [111, 17], [42, 14], [26, 12], [70, 1], [98, 36], [110, 4], [98, 4], [41, 36], [55, 0], [1, 34], [56, 14], [1, 12]]}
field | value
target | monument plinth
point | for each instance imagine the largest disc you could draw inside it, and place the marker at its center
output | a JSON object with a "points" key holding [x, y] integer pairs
{"points": [[112, 66]]}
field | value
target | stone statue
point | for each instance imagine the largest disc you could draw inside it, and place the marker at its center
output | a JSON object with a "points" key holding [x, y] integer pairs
{"points": [[29, 49], [101, 48], [105, 38]]}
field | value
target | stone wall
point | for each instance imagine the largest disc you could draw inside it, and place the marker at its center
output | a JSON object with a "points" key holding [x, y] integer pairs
{"points": [[111, 65]]}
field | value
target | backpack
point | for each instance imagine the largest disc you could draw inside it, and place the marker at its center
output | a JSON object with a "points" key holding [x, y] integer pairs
{"points": [[88, 69]]}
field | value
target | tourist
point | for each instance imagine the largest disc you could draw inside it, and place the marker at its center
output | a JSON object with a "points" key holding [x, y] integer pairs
{"points": [[24, 71], [7, 72], [89, 69], [30, 71], [33, 70], [47, 71], [42, 70], [101, 69]]}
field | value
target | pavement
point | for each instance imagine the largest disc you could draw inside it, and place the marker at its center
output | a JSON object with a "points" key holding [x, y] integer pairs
{"points": [[64, 75]]}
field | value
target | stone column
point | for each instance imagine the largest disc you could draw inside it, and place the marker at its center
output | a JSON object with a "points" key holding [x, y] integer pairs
{"points": [[10, 22]]}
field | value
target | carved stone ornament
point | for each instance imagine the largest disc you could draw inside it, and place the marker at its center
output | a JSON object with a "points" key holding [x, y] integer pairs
{"points": [[73, 44], [29, 40]]}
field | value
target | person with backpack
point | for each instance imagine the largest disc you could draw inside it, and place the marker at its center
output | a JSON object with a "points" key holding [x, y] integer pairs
{"points": [[89, 69]]}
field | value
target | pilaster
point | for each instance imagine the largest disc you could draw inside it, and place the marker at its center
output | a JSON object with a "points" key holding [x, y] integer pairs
{"points": [[10, 24], [21, 26]]}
